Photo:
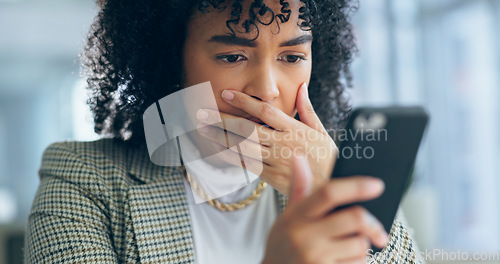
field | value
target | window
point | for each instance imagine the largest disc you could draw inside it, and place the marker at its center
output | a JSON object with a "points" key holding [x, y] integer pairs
{"points": [[444, 55]]}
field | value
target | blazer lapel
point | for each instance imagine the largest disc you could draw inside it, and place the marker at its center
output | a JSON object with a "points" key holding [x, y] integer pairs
{"points": [[282, 201], [160, 212]]}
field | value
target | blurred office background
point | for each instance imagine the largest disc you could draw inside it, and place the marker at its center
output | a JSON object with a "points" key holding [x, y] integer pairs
{"points": [[442, 54]]}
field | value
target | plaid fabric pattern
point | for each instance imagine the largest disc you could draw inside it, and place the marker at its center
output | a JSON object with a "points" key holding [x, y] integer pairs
{"points": [[100, 202]]}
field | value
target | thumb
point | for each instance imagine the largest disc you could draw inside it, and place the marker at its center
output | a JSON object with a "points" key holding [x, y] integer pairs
{"points": [[302, 180], [306, 110]]}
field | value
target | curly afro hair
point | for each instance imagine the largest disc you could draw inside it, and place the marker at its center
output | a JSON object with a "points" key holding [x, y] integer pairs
{"points": [[128, 67]]}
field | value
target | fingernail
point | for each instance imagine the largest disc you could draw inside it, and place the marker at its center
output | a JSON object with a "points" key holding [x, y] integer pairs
{"points": [[386, 238], [371, 220], [227, 95], [306, 92], [375, 185], [301, 158], [202, 114]]}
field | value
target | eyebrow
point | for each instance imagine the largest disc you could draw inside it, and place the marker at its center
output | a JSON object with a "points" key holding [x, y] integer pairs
{"points": [[237, 41], [297, 41]]}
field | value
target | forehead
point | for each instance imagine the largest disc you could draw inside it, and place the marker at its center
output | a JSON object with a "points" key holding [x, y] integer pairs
{"points": [[216, 21]]}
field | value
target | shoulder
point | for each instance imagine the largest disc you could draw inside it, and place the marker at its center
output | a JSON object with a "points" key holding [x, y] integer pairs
{"points": [[80, 158], [107, 161], [91, 165], [79, 204], [85, 151], [402, 247]]}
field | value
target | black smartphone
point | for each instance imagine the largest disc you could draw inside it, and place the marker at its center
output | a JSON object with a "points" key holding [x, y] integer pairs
{"points": [[381, 142]]}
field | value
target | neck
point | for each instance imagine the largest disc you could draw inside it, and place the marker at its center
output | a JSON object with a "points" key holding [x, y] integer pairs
{"points": [[207, 151]]}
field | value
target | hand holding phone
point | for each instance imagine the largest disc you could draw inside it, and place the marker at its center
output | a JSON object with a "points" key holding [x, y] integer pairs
{"points": [[383, 143], [306, 233]]}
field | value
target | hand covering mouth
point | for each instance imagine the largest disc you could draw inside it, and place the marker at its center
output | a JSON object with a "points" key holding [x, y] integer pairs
{"points": [[255, 120], [258, 121]]}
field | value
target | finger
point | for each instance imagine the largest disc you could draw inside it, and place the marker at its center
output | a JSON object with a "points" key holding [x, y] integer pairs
{"points": [[254, 165], [238, 125], [346, 250], [339, 192], [236, 143], [306, 110], [356, 260], [301, 179], [264, 111], [353, 247], [353, 220]]}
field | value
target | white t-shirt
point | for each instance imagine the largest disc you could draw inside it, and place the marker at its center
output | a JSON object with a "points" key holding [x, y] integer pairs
{"points": [[230, 237]]}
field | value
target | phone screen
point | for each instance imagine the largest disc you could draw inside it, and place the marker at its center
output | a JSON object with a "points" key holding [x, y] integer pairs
{"points": [[383, 143]]}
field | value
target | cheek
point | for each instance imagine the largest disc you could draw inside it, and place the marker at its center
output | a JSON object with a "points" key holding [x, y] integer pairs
{"points": [[196, 69], [220, 83], [289, 97], [289, 93], [199, 68]]}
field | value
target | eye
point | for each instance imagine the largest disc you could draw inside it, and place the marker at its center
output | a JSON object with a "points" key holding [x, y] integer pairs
{"points": [[292, 58], [231, 58]]}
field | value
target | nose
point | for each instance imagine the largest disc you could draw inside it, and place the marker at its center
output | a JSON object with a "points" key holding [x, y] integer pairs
{"points": [[262, 83]]}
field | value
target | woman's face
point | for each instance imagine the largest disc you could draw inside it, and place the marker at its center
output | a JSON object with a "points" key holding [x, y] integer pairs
{"points": [[270, 68]]}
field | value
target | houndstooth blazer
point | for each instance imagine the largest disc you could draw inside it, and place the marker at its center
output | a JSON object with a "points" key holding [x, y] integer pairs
{"points": [[100, 202]]}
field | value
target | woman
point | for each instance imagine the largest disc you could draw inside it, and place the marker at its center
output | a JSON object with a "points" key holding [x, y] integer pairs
{"points": [[106, 202]]}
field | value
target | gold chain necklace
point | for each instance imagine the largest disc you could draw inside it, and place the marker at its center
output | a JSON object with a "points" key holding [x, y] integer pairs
{"points": [[224, 206]]}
